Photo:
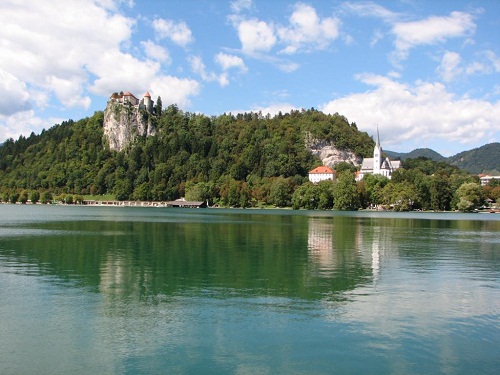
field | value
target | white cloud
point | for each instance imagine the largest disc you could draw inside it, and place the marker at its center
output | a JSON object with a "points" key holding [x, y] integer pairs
{"points": [[55, 53], [24, 122], [271, 109], [256, 36], [307, 31], [15, 94], [238, 6], [199, 68], [178, 33], [430, 31], [156, 52], [69, 91], [477, 67], [424, 112], [494, 59], [230, 61], [450, 66], [175, 90], [370, 9]]}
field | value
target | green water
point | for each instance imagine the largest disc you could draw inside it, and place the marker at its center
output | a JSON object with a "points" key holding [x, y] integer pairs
{"points": [[114, 290]]}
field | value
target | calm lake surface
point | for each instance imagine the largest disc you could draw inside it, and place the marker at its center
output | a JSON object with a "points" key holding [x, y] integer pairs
{"points": [[115, 290]]}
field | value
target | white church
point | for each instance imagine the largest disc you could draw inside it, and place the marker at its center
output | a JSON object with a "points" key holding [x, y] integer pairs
{"points": [[378, 164]]}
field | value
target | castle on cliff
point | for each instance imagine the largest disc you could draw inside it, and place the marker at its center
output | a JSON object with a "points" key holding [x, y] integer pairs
{"points": [[128, 98]]}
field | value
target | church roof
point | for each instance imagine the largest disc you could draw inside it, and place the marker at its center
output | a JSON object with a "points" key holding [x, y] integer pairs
{"points": [[321, 170], [367, 164], [147, 94]]}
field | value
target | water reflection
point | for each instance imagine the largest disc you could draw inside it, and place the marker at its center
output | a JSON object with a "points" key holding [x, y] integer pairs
{"points": [[249, 292]]}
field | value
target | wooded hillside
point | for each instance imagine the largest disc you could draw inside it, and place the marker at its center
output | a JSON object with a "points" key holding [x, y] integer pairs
{"points": [[246, 151]]}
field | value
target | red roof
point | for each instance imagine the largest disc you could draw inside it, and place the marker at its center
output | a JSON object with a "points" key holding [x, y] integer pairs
{"points": [[128, 93], [323, 169], [147, 94]]}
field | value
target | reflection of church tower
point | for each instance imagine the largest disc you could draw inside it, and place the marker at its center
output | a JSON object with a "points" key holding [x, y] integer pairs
{"points": [[377, 156], [376, 253]]}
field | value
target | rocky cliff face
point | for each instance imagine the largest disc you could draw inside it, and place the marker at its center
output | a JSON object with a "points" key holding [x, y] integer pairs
{"points": [[329, 154], [123, 123]]}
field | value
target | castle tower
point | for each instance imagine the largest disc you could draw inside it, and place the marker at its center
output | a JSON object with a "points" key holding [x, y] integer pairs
{"points": [[148, 103]]}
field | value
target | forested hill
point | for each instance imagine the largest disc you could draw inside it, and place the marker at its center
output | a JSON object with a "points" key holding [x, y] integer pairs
{"points": [[419, 152], [224, 152], [485, 159]]}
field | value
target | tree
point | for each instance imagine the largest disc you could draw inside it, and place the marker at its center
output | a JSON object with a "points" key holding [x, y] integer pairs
{"points": [[440, 193], [305, 197], [158, 106], [325, 190], [14, 197], [469, 196], [34, 196], [281, 192], [374, 183], [46, 197], [346, 194], [23, 198], [400, 196]]}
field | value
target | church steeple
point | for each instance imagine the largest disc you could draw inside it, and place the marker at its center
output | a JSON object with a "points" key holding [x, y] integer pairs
{"points": [[377, 155]]}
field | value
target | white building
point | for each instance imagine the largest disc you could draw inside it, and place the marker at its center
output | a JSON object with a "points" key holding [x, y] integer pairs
{"points": [[485, 180], [378, 164], [321, 174]]}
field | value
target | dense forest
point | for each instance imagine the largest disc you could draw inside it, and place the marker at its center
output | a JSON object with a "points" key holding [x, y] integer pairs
{"points": [[230, 160]]}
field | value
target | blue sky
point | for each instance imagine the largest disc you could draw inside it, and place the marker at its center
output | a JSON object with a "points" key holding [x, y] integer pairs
{"points": [[427, 73]]}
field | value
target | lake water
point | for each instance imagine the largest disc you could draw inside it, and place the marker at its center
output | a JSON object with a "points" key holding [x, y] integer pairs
{"points": [[113, 290]]}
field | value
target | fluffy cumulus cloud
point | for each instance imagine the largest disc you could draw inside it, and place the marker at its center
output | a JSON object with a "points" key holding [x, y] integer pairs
{"points": [[176, 90], [199, 68], [431, 30], [12, 87], [177, 32], [155, 51], [59, 53], [227, 62], [256, 36], [450, 66], [307, 31], [423, 112]]}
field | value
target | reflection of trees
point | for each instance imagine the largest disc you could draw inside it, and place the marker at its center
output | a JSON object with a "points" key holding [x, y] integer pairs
{"points": [[261, 255], [251, 255]]}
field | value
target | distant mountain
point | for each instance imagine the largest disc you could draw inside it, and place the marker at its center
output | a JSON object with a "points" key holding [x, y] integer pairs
{"points": [[485, 159], [425, 152]]}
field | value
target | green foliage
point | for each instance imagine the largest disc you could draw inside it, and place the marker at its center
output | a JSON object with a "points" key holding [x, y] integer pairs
{"points": [[34, 197], [345, 192], [46, 197], [400, 196], [231, 160], [470, 196], [485, 159]]}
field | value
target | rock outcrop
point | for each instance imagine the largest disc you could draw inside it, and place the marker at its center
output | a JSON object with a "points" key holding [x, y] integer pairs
{"points": [[123, 123], [329, 154]]}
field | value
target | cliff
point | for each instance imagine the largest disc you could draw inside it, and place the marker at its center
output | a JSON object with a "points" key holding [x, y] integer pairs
{"points": [[123, 123], [329, 153]]}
